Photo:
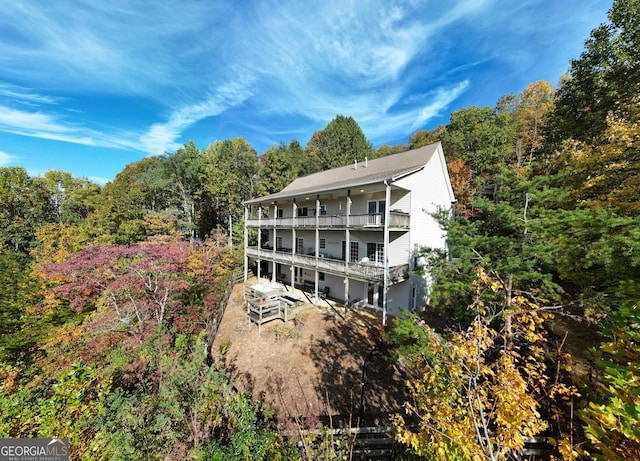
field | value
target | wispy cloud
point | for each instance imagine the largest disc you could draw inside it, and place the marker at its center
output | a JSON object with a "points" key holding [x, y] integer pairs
{"points": [[6, 159], [38, 124], [48, 126], [349, 58], [25, 96], [313, 60], [115, 47], [163, 137], [135, 78]]}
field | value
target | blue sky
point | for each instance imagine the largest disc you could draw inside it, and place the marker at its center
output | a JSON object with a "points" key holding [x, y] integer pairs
{"points": [[89, 86]]}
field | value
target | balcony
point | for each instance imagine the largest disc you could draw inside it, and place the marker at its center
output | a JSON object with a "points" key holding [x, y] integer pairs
{"points": [[365, 271], [372, 221]]}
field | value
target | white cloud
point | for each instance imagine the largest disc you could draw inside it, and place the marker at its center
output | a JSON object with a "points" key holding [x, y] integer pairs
{"points": [[441, 100], [25, 96], [163, 137], [351, 58], [6, 159], [117, 47], [52, 127], [197, 60], [12, 119]]}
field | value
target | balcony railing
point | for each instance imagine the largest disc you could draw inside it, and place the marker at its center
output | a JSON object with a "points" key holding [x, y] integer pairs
{"points": [[367, 271], [360, 221]]}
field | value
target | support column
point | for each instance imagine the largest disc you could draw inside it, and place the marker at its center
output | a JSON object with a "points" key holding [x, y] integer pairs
{"points": [[385, 287], [347, 250], [294, 244]]}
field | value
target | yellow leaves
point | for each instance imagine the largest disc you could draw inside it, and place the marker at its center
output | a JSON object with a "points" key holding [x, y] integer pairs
{"points": [[568, 452], [8, 376], [490, 375]]}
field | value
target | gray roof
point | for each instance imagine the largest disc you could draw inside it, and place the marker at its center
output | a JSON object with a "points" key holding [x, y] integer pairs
{"points": [[373, 171]]}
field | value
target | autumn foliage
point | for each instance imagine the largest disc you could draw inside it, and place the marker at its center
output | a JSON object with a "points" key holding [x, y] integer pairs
{"points": [[480, 392]]}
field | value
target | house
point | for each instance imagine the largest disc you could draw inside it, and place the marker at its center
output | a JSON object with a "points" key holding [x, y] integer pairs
{"points": [[352, 233]]}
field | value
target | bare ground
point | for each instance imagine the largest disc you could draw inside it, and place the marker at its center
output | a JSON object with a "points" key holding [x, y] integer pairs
{"points": [[309, 371]]}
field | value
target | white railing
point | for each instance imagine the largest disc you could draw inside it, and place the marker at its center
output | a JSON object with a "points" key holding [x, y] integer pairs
{"points": [[370, 220], [370, 271]]}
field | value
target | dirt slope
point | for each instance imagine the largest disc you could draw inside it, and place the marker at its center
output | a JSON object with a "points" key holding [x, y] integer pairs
{"points": [[310, 370]]}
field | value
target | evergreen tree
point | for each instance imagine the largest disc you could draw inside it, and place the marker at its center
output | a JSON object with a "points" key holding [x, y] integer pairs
{"points": [[340, 143]]}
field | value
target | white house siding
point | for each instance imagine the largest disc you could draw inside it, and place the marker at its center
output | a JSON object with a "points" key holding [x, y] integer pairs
{"points": [[400, 201], [399, 248], [398, 298], [430, 191]]}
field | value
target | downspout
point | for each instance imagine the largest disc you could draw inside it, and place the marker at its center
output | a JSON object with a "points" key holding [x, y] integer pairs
{"points": [[347, 252], [246, 244], [387, 200], [294, 243], [317, 247], [275, 240], [259, 262]]}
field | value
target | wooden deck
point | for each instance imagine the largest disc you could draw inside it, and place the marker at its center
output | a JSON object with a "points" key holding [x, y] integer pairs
{"points": [[276, 305]]}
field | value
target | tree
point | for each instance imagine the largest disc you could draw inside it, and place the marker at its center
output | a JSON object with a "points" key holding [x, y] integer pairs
{"points": [[386, 149], [611, 417], [424, 137], [124, 204], [184, 172], [532, 110], [477, 392], [279, 168], [485, 139], [73, 199], [607, 174], [603, 79], [19, 291], [592, 214], [134, 287], [24, 205], [341, 142], [230, 172]]}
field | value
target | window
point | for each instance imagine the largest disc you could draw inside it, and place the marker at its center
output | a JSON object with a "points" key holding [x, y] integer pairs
{"points": [[321, 276], [354, 254], [303, 211], [323, 243], [278, 242], [280, 213], [299, 245], [375, 252], [323, 210]]}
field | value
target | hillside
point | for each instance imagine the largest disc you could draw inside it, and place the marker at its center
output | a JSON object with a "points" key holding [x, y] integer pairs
{"points": [[310, 369]]}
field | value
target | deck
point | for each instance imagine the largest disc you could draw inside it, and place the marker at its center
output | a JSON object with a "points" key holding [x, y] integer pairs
{"points": [[267, 302]]}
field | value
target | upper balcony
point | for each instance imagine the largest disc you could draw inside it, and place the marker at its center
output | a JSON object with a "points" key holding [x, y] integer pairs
{"points": [[369, 221]]}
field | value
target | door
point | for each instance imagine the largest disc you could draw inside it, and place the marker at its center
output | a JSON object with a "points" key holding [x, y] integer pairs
{"points": [[376, 212]]}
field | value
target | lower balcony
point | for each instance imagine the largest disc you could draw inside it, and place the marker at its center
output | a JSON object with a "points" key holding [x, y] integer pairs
{"points": [[364, 270]]}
